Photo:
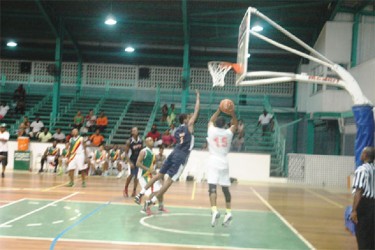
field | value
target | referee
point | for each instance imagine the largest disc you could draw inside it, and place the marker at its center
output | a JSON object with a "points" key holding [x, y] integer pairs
{"points": [[363, 213]]}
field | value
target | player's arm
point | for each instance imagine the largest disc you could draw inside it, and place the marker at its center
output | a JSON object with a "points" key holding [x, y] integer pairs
{"points": [[357, 197], [214, 117], [127, 159], [140, 158], [194, 117], [234, 122]]}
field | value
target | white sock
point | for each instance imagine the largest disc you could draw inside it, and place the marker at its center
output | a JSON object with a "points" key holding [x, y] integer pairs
{"points": [[143, 191], [154, 199]]}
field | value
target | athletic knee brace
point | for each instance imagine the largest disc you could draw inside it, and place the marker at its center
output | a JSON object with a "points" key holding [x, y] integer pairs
{"points": [[226, 194], [211, 189]]}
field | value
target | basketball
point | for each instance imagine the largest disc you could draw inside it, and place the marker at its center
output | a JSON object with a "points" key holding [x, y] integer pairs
{"points": [[226, 106]]}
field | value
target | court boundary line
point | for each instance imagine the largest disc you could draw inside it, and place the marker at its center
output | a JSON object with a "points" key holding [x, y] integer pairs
{"points": [[265, 202], [129, 243], [38, 209], [12, 203]]}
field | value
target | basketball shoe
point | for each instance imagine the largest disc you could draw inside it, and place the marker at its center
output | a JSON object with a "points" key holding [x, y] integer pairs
{"points": [[227, 219], [215, 217], [138, 198]]}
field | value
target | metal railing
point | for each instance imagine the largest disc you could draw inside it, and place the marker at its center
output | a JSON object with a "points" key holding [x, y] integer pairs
{"points": [[119, 121]]}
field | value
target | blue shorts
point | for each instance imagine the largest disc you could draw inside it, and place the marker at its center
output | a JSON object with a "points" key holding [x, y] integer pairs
{"points": [[134, 171], [174, 165]]}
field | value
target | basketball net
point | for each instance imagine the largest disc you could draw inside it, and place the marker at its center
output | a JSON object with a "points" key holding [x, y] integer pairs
{"points": [[218, 70]]}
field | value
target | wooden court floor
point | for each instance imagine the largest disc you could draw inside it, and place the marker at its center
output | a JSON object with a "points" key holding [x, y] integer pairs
{"points": [[311, 216]]}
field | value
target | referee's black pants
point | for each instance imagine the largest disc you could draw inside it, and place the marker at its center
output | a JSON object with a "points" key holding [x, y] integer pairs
{"points": [[364, 230]]}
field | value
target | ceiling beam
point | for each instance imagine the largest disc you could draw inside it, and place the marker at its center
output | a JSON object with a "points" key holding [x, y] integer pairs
{"points": [[335, 10], [47, 18]]}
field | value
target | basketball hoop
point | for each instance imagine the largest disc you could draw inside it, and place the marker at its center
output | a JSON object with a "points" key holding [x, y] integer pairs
{"points": [[218, 70]]}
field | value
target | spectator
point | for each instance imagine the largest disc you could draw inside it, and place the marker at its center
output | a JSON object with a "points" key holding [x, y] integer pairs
{"points": [[19, 93], [26, 124], [20, 106], [164, 111], [4, 138], [168, 140], [59, 136], [45, 136], [83, 130], [266, 120], [97, 139], [99, 162], [90, 121], [36, 127], [51, 155], [159, 158], [172, 129], [21, 131], [171, 115], [78, 120], [101, 122], [237, 143], [241, 128], [3, 110], [155, 135]]}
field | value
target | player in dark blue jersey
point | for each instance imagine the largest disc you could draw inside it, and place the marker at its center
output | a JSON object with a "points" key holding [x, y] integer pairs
{"points": [[175, 163], [133, 147]]}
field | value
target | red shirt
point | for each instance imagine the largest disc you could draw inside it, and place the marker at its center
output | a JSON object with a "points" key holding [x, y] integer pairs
{"points": [[155, 136]]}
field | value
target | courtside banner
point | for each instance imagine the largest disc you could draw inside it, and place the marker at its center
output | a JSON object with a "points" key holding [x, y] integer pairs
{"points": [[364, 120]]}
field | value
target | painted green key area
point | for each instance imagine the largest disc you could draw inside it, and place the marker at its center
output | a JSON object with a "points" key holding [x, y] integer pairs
{"points": [[125, 224]]}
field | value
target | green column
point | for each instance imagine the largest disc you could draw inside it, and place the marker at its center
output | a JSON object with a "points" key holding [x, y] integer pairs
{"points": [[355, 40], [186, 59], [310, 137], [295, 132], [58, 63]]}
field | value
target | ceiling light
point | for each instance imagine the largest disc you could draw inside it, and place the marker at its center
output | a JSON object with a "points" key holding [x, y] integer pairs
{"points": [[129, 49], [11, 44], [257, 28], [110, 20]]}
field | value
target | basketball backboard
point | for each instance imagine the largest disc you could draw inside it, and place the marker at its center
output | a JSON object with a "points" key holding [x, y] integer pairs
{"points": [[243, 45]]}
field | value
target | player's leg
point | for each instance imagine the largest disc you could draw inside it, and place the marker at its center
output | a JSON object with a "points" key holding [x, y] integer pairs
{"points": [[224, 181], [4, 162], [44, 158], [213, 180], [135, 182], [138, 197], [127, 182]]}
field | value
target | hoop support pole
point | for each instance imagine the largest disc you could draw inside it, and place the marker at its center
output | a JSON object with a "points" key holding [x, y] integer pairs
{"points": [[290, 35]]}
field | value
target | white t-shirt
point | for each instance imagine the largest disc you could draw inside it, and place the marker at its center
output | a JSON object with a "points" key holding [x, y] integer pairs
{"points": [[59, 137], [265, 119], [4, 110], [219, 141], [4, 145], [37, 126]]}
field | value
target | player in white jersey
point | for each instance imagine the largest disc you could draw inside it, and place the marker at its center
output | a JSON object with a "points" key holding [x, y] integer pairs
{"points": [[219, 142], [77, 157]]}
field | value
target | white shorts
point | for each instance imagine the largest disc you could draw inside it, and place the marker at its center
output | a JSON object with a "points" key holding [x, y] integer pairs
{"points": [[64, 162], [154, 188], [97, 164], [218, 172], [78, 162], [51, 159]]}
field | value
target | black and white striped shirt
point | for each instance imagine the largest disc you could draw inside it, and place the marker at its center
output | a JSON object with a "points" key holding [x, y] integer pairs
{"points": [[365, 179]]}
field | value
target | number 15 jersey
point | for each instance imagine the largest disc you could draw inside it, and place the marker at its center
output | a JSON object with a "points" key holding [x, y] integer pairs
{"points": [[219, 141]]}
